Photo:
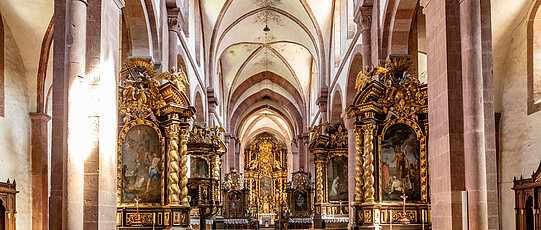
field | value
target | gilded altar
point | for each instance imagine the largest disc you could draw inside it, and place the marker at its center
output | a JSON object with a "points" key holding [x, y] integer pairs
{"points": [[152, 153], [329, 144], [300, 200], [391, 126], [205, 150], [266, 173]]}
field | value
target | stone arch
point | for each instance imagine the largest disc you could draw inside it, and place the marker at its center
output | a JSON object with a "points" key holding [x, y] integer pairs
{"points": [[534, 52], [42, 67], [140, 23], [200, 117], [355, 66], [397, 27], [336, 105]]}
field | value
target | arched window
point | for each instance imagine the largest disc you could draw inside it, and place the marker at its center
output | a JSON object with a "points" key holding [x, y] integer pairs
{"points": [[534, 60], [2, 99], [337, 37]]}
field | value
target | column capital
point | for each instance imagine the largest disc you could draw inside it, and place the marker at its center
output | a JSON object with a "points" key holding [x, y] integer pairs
{"points": [[39, 116], [424, 3]]}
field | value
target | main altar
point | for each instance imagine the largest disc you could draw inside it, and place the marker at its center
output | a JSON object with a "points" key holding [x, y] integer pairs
{"points": [[153, 121], [265, 176], [391, 126]]}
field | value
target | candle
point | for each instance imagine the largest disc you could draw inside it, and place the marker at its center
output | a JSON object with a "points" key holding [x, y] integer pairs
{"points": [[391, 218]]}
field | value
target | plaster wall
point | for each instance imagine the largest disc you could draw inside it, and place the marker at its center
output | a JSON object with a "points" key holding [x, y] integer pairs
{"points": [[15, 131], [519, 132]]}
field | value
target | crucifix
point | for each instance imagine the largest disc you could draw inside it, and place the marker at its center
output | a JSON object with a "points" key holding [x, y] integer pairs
{"points": [[137, 221], [404, 219]]}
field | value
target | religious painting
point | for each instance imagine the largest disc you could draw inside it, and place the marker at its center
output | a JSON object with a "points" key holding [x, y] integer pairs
{"points": [[199, 168], [301, 201], [234, 202], [400, 151], [337, 179], [266, 186], [142, 166]]}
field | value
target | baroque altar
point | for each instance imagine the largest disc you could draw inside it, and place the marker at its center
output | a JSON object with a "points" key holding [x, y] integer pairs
{"points": [[391, 127], [265, 176], [330, 149], [205, 149], [154, 112], [300, 200], [528, 201]]}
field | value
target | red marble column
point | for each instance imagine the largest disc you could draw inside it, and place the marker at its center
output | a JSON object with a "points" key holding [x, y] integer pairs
{"points": [[490, 119], [352, 163], [446, 122], [474, 116], [69, 63], [40, 171]]}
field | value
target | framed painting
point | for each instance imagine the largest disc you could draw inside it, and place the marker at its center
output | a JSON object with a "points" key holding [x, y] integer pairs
{"points": [[199, 167], [400, 168], [301, 201], [141, 164], [337, 179]]}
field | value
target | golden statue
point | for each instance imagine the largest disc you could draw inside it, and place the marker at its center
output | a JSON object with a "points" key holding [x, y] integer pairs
{"points": [[365, 76], [178, 78]]}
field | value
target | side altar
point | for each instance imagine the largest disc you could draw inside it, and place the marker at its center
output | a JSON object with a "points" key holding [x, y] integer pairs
{"points": [[154, 112], [329, 144], [391, 126]]}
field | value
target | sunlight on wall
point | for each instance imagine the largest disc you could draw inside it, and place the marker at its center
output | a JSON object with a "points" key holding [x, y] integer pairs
{"points": [[79, 121]]}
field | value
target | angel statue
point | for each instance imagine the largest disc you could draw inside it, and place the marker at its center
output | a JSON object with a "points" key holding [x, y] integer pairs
{"points": [[366, 75], [178, 78]]}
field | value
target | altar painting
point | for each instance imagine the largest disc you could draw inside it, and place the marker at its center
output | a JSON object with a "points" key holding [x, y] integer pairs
{"points": [[199, 168], [337, 179], [400, 171], [142, 169], [301, 201], [234, 202]]}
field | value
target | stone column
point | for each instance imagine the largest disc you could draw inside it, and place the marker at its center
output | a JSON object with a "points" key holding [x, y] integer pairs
{"points": [[225, 164], [474, 137], [237, 154], [446, 124], [349, 122], [295, 153], [231, 153], [40, 171], [173, 28], [69, 65], [302, 152], [364, 22]]}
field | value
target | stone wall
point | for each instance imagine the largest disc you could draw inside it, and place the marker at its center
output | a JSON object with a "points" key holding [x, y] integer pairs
{"points": [[15, 131], [520, 148]]}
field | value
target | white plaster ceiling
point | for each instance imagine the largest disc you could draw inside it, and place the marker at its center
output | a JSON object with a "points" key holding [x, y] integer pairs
{"points": [[299, 34]]}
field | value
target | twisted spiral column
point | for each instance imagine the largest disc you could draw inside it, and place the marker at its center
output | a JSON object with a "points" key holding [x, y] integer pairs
{"points": [[183, 166], [319, 183], [359, 168], [368, 165], [172, 183]]}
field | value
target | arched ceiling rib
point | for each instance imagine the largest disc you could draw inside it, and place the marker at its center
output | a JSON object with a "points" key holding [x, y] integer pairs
{"points": [[266, 75]]}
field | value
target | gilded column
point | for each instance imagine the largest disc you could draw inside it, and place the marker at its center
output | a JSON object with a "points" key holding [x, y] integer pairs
{"points": [[368, 165], [172, 132], [183, 166], [359, 167], [319, 182]]}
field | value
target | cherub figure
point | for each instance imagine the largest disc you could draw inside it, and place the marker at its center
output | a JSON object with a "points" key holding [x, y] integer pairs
{"points": [[413, 114], [151, 115], [390, 115], [127, 116]]}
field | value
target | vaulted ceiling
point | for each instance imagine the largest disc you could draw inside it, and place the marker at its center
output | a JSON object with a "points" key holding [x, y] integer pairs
{"points": [[267, 76]]}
